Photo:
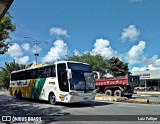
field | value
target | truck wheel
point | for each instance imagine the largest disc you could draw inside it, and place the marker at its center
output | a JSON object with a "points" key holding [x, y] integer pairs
{"points": [[108, 92], [117, 93], [52, 99]]}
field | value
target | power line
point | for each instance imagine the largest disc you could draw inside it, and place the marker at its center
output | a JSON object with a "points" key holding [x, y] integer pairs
{"points": [[130, 44], [36, 42]]}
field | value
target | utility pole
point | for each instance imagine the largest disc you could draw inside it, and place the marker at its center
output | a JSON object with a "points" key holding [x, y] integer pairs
{"points": [[36, 42]]}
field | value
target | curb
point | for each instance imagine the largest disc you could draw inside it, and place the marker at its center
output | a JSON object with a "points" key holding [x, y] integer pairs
{"points": [[110, 98], [121, 99], [141, 100]]}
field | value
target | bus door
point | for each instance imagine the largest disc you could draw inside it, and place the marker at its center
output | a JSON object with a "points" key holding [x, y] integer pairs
{"points": [[62, 77]]}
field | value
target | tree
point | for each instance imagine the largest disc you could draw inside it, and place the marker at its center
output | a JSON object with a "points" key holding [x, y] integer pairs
{"points": [[6, 27], [7, 69], [117, 67], [97, 62]]}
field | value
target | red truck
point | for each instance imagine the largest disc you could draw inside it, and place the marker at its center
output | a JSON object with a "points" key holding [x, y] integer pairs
{"points": [[116, 86]]}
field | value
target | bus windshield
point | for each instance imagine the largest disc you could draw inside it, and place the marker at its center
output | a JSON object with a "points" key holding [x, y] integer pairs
{"points": [[82, 81], [78, 66]]}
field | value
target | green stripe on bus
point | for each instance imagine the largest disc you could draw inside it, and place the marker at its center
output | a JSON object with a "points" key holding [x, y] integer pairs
{"points": [[37, 88]]}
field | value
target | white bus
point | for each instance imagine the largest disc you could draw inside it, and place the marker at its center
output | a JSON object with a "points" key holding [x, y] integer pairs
{"points": [[63, 81]]}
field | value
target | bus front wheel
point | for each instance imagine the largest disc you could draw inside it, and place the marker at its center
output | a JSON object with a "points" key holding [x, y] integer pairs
{"points": [[52, 99]]}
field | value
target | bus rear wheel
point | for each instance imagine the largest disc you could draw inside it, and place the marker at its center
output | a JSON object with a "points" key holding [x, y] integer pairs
{"points": [[52, 99], [18, 95]]}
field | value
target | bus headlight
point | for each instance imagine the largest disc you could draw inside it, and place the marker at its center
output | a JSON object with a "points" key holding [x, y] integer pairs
{"points": [[73, 93]]}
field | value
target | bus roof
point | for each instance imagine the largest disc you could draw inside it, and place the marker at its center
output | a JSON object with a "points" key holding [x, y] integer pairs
{"points": [[48, 64], [70, 62]]}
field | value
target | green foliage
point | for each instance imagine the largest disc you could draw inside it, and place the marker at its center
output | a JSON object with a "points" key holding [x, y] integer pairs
{"points": [[117, 67], [114, 66], [97, 62], [6, 27], [7, 69]]}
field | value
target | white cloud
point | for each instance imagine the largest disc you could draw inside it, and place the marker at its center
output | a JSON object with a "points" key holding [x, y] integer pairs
{"points": [[138, 68], [76, 52], [149, 67], [22, 60], [151, 64], [58, 31], [56, 52], [15, 50], [156, 63], [101, 46], [147, 61], [26, 46], [135, 1], [135, 53], [131, 33]]}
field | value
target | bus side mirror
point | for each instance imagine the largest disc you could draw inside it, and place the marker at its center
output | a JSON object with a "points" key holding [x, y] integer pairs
{"points": [[69, 73], [96, 75]]}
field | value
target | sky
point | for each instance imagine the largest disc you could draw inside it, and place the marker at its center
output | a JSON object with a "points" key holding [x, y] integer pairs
{"points": [[127, 29]]}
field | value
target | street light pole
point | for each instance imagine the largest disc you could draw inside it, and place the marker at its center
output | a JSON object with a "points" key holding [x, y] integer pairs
{"points": [[36, 43]]}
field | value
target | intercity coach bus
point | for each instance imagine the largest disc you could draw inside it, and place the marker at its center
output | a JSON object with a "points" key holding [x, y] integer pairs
{"points": [[63, 81]]}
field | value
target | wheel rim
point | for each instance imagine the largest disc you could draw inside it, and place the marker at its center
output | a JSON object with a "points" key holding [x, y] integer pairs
{"points": [[108, 93], [52, 99], [117, 94]]}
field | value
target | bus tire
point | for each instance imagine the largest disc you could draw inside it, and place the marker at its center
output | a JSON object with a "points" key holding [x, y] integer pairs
{"points": [[52, 99], [117, 93], [19, 95], [108, 92], [16, 94]]}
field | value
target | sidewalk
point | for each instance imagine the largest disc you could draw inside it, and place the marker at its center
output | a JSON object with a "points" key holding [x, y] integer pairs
{"points": [[147, 92]]}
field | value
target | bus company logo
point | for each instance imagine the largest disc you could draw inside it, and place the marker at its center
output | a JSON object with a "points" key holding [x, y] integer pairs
{"points": [[6, 118]]}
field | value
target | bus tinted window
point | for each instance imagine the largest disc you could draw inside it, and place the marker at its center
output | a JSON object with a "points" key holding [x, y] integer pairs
{"points": [[53, 71], [42, 72], [83, 67], [34, 73]]}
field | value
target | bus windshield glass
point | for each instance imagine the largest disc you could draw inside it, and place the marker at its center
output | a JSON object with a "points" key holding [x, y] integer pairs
{"points": [[82, 78], [77, 66]]}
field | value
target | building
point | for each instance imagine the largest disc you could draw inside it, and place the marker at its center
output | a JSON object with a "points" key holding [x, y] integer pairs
{"points": [[150, 78]]}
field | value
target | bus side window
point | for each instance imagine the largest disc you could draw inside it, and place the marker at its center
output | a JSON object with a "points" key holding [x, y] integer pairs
{"points": [[45, 72], [49, 71], [53, 72], [13, 77], [27, 74], [34, 73], [18, 76]]}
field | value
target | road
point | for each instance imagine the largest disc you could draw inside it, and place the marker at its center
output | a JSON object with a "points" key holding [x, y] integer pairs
{"points": [[91, 110]]}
